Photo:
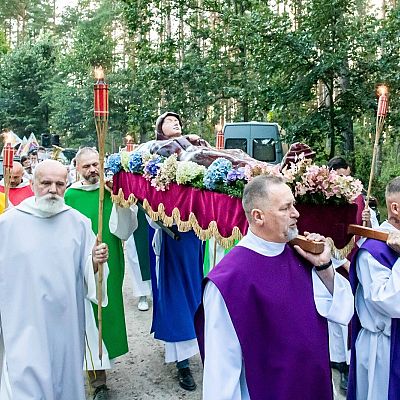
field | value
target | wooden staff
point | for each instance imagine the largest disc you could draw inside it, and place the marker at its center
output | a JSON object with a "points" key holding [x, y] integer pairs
{"points": [[101, 119], [101, 133], [380, 120]]}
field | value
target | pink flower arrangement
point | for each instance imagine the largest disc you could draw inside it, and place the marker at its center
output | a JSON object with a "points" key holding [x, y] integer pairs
{"points": [[309, 182], [317, 184], [261, 168]]}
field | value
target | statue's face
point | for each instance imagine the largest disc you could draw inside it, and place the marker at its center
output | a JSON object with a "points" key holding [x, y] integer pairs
{"points": [[171, 127]]}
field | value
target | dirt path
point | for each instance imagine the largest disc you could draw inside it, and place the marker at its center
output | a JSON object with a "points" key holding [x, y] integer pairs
{"points": [[142, 374]]}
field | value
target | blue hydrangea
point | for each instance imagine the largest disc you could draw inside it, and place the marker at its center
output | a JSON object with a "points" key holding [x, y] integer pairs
{"points": [[235, 174], [217, 173], [135, 163], [114, 163], [153, 166]]}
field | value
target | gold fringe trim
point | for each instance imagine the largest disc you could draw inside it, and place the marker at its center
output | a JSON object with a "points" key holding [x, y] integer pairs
{"points": [[341, 254], [175, 218], [119, 199], [211, 231]]}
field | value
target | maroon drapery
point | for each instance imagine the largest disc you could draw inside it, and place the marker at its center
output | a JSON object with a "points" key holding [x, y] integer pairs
{"points": [[227, 212]]}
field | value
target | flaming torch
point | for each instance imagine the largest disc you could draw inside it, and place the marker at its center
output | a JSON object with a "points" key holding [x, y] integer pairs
{"points": [[8, 162], [380, 120], [101, 119]]}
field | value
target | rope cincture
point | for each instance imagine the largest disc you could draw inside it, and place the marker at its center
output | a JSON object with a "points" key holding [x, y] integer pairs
{"points": [[211, 231]]}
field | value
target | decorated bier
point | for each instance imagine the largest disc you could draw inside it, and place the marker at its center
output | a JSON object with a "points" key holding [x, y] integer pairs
{"points": [[212, 207]]}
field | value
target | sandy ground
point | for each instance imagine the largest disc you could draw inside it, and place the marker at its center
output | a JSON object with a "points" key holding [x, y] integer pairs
{"points": [[142, 374]]}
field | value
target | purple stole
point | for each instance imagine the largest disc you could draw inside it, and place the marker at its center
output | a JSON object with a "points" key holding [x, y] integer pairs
{"points": [[387, 257], [284, 340]]}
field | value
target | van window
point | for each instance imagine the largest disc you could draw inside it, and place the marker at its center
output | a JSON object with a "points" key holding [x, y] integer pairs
{"points": [[235, 143], [264, 149]]}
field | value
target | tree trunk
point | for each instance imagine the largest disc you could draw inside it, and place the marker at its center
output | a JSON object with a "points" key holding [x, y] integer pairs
{"points": [[24, 18], [169, 26], [347, 145], [143, 134], [54, 15], [331, 106]]}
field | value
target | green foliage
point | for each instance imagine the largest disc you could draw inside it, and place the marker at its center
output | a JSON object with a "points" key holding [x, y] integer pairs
{"points": [[45, 90], [4, 48], [234, 189], [313, 67], [389, 169], [30, 18], [72, 98], [252, 57], [26, 76]]}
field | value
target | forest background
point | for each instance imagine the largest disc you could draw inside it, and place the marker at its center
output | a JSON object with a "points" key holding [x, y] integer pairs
{"points": [[313, 66]]}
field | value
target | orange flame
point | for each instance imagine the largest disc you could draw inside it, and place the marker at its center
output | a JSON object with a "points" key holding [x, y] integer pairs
{"points": [[382, 90], [99, 73]]}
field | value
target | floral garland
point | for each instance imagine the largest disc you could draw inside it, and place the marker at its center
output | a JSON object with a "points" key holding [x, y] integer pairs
{"points": [[310, 183], [313, 184]]}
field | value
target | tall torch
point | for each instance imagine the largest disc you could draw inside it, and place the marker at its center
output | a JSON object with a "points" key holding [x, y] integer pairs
{"points": [[101, 119], [380, 120], [8, 161]]}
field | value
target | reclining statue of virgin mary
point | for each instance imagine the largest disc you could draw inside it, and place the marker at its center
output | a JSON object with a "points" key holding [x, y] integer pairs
{"points": [[169, 140]]}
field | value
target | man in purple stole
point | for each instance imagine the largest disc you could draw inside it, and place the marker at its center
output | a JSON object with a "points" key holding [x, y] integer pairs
{"points": [[262, 327], [375, 279]]}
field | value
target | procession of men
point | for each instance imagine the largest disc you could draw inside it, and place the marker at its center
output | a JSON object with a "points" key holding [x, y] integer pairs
{"points": [[259, 318]]}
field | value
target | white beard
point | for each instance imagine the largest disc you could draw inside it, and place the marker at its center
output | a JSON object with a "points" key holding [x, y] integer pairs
{"points": [[50, 204], [292, 233]]}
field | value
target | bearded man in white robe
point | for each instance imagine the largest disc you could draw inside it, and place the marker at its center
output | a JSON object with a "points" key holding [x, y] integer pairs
{"points": [[48, 265]]}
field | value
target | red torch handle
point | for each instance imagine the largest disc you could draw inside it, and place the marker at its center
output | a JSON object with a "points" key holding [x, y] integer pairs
{"points": [[8, 156], [382, 105], [101, 99]]}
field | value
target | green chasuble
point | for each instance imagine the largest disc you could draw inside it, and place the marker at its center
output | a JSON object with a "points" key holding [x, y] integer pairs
{"points": [[114, 330], [141, 235], [209, 258]]}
